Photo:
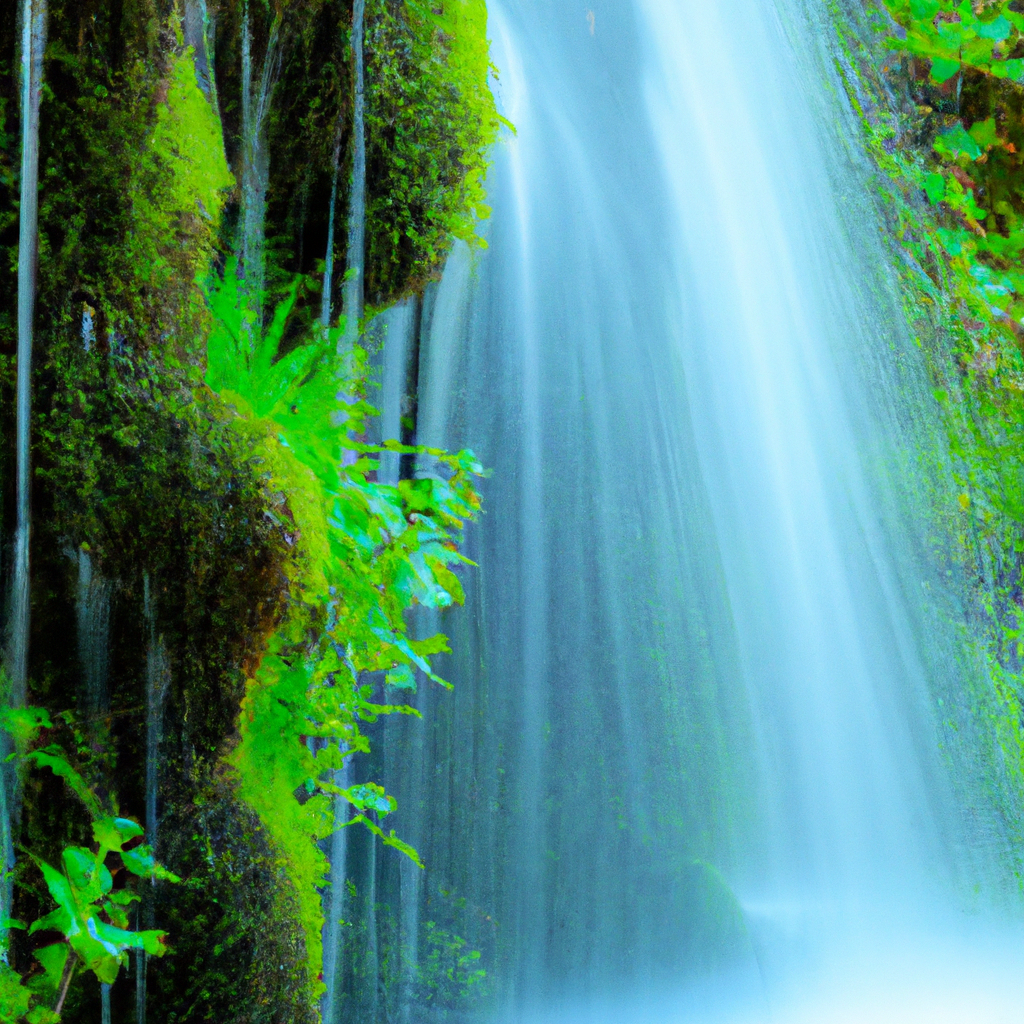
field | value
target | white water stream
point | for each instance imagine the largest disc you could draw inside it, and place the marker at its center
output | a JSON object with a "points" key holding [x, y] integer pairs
{"points": [[691, 769]]}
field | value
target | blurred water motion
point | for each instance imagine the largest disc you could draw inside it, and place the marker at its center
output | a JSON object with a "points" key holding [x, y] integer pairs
{"points": [[692, 745]]}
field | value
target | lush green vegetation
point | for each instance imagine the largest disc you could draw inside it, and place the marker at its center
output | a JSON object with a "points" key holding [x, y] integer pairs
{"points": [[940, 90], [216, 479], [93, 902]]}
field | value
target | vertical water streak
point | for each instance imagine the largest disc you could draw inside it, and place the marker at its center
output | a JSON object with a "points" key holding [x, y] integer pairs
{"points": [[88, 327], [355, 254], [328, 283], [93, 620], [196, 33], [576, 790], [33, 46], [372, 931], [835, 675], [158, 681], [394, 334], [352, 308], [532, 912], [92, 613], [422, 306], [334, 902], [255, 171]]}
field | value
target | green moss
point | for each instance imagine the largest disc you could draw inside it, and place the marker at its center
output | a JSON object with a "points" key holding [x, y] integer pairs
{"points": [[212, 475], [431, 121]]}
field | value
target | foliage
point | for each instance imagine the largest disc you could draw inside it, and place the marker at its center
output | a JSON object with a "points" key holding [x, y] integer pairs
{"points": [[88, 887], [238, 950], [182, 179], [954, 193], [444, 977], [431, 120], [229, 478], [958, 37], [448, 973], [365, 553]]}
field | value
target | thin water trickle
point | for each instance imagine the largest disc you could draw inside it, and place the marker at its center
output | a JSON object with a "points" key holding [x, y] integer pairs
{"points": [[355, 250], [158, 684], [33, 46], [256, 163], [92, 610]]}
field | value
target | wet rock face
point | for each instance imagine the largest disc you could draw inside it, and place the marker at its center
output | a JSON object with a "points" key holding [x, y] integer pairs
{"points": [[163, 553]]}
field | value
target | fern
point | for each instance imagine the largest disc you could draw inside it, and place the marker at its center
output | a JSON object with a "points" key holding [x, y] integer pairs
{"points": [[364, 554]]}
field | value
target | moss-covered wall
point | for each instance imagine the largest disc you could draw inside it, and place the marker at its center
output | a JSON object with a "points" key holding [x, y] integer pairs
{"points": [[143, 468]]}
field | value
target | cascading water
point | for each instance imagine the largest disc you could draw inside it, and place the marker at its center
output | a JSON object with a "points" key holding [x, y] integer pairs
{"points": [[692, 733], [158, 683], [355, 250], [352, 306], [92, 609], [33, 46], [256, 165], [93, 614], [196, 30]]}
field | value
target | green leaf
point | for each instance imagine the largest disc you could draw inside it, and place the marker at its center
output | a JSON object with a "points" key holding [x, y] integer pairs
{"points": [[124, 897], [924, 10], [112, 833], [14, 997], [54, 959], [24, 724], [140, 861], [79, 866], [935, 188], [984, 133], [59, 920], [55, 759], [269, 344], [401, 678], [370, 796], [1014, 69], [943, 69], [63, 896], [956, 142], [997, 30]]}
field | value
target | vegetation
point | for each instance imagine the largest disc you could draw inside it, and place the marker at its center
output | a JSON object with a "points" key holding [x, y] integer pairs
{"points": [[216, 477], [940, 90], [89, 887]]}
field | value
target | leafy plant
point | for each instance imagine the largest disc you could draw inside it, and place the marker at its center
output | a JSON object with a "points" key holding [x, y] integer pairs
{"points": [[954, 36], [953, 188], [449, 973], [365, 553], [431, 122], [88, 888]]}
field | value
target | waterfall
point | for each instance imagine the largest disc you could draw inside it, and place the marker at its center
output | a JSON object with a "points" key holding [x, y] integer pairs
{"points": [[256, 167], [691, 766], [158, 682], [93, 620], [396, 334], [328, 283], [92, 610], [334, 902], [352, 308], [196, 30], [355, 253], [33, 46]]}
